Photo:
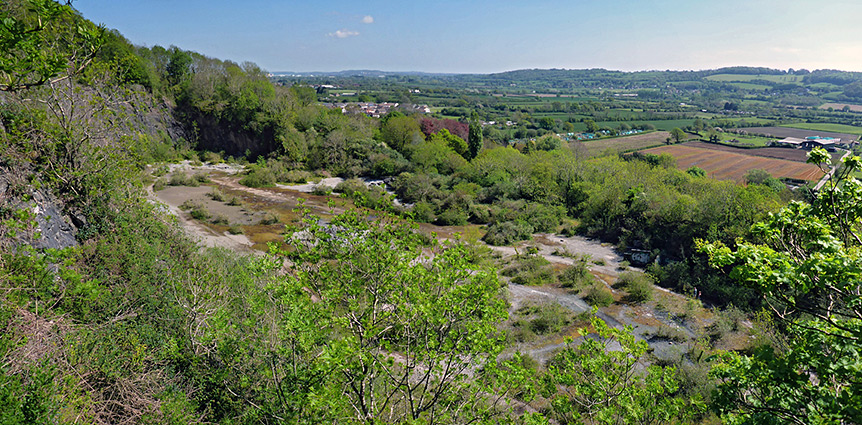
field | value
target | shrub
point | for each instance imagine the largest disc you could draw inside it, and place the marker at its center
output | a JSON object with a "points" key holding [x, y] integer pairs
{"points": [[159, 185], [180, 178], [508, 232], [220, 219], [551, 318], [216, 195], [668, 333], [575, 276], [423, 212], [321, 190], [258, 177], [235, 229], [269, 218], [350, 187], [638, 285], [234, 201], [599, 296], [294, 176], [211, 157], [452, 217], [202, 178], [161, 171], [197, 210], [530, 270]]}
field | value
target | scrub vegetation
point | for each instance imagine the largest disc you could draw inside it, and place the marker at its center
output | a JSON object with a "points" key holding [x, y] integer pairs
{"points": [[111, 313]]}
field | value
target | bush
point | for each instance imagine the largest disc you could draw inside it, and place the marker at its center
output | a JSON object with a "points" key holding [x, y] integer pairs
{"points": [[321, 190], [269, 218], [423, 212], [599, 296], [508, 232], [668, 333], [197, 210], [638, 285], [211, 157], [350, 187], [180, 178], [258, 177], [234, 201], [551, 318], [220, 219], [294, 176], [235, 229], [452, 217], [202, 178], [576, 276], [530, 270], [216, 195], [159, 185]]}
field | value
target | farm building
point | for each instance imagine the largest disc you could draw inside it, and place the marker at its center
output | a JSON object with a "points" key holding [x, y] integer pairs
{"points": [[815, 142]]}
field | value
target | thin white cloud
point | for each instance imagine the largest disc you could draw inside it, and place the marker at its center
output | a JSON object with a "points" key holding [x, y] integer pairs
{"points": [[343, 34], [367, 19]]}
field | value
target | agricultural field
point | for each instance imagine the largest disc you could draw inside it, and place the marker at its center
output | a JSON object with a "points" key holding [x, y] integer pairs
{"points": [[750, 86], [840, 106], [784, 79], [727, 163], [743, 140], [622, 144], [833, 128], [782, 132]]}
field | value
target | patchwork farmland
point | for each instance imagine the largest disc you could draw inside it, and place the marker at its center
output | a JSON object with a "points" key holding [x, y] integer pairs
{"points": [[623, 144], [727, 163], [782, 132]]}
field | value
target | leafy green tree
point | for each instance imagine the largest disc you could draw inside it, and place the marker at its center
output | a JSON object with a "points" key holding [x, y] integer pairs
{"points": [[695, 171], [400, 131], [548, 142], [592, 127], [406, 328], [593, 383], [808, 267], [39, 40], [179, 66], [677, 134], [304, 94], [456, 143]]}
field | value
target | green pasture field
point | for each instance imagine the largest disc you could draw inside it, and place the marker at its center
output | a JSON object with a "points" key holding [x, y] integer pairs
{"points": [[750, 86], [834, 128], [665, 125], [744, 140], [745, 78], [749, 120]]}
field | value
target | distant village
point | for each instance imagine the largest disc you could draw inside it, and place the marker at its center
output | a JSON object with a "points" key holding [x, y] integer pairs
{"points": [[377, 110]]}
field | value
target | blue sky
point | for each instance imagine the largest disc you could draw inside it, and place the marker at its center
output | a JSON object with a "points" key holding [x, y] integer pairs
{"points": [[494, 36]]}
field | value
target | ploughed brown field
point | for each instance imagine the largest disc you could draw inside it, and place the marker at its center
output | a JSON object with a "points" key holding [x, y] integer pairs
{"points": [[728, 163]]}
